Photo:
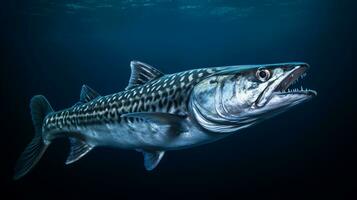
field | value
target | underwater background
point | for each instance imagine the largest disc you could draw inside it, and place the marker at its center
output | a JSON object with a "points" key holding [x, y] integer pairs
{"points": [[53, 47]]}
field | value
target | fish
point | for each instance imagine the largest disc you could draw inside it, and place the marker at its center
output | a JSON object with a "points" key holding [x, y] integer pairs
{"points": [[160, 112]]}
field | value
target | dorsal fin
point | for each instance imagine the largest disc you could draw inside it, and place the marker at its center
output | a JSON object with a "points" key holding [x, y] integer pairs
{"points": [[78, 149], [142, 73], [87, 94]]}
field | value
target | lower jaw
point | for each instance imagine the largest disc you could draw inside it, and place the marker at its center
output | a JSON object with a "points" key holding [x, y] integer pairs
{"points": [[298, 92]]}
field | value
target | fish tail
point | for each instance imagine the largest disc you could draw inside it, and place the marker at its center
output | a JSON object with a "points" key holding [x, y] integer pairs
{"points": [[40, 108]]}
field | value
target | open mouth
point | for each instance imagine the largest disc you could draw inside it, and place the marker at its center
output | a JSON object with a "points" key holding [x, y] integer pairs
{"points": [[281, 86], [298, 73]]}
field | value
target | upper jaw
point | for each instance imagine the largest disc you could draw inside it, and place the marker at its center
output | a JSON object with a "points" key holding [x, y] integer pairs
{"points": [[281, 84]]}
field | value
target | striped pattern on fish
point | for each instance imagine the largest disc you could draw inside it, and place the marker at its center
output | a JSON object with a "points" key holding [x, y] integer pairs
{"points": [[168, 94]]}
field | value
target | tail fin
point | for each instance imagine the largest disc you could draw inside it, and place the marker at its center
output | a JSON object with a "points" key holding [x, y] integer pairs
{"points": [[40, 108]]}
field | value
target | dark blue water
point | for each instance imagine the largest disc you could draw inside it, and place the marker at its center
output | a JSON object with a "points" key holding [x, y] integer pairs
{"points": [[53, 47]]}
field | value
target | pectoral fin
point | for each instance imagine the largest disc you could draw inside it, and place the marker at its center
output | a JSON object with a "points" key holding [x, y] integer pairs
{"points": [[152, 159], [160, 118]]}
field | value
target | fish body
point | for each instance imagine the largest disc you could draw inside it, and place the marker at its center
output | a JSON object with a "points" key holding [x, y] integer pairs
{"points": [[159, 112], [100, 120]]}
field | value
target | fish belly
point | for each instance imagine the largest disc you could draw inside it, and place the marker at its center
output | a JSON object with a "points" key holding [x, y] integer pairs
{"points": [[144, 136]]}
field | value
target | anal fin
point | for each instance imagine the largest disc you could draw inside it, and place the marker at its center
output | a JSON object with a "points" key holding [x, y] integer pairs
{"points": [[152, 158], [78, 149]]}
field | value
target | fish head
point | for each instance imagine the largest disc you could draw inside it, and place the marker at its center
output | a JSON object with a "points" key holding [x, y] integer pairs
{"points": [[236, 97]]}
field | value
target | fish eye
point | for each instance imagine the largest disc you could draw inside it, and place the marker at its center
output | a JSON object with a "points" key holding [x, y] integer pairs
{"points": [[263, 74]]}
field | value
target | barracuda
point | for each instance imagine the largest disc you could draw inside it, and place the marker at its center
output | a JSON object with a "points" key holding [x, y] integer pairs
{"points": [[157, 112]]}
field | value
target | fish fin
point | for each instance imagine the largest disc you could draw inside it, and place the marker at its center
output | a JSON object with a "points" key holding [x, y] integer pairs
{"points": [[157, 117], [142, 73], [78, 149], [40, 108], [87, 94], [152, 158]]}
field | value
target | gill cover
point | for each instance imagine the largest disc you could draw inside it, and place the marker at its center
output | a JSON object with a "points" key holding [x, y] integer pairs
{"points": [[206, 105]]}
